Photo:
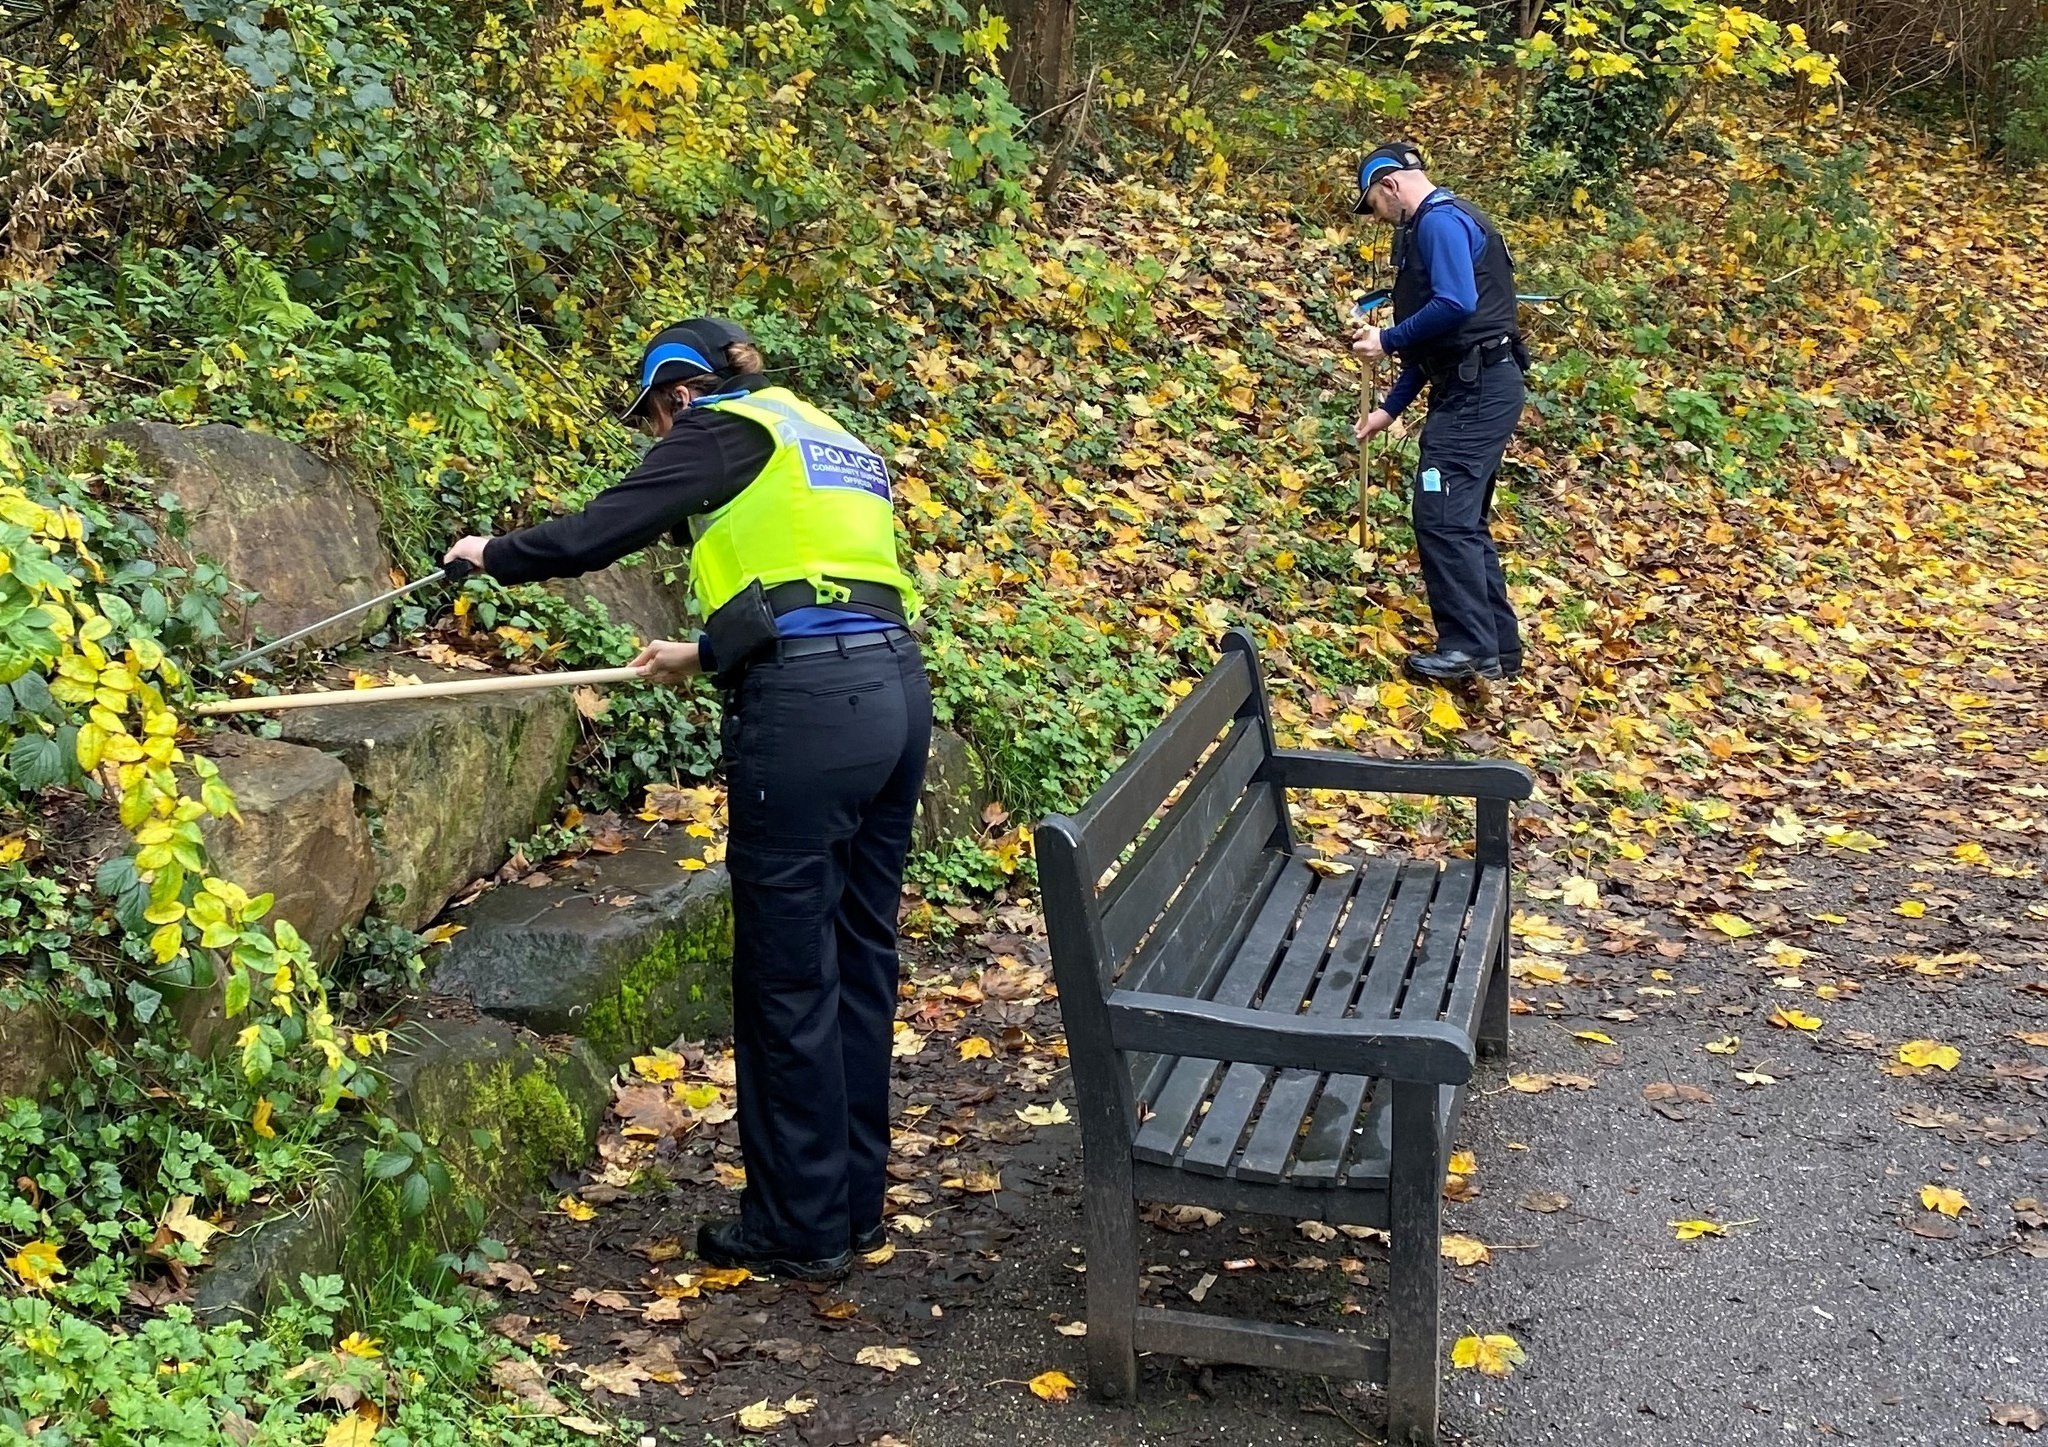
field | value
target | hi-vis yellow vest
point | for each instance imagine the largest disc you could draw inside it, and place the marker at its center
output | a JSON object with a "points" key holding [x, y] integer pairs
{"points": [[819, 510]]}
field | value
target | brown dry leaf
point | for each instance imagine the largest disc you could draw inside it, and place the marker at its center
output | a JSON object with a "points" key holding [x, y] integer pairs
{"points": [[1072, 1328], [620, 1378], [2019, 1414], [1179, 1218], [1316, 1231], [1658, 1090], [889, 1359], [607, 1300], [975, 1183], [508, 1274], [723, 1278], [1544, 1201], [839, 1310], [525, 1382]]}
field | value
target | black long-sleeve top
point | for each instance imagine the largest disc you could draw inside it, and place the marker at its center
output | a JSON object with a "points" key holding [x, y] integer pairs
{"points": [[705, 462]]}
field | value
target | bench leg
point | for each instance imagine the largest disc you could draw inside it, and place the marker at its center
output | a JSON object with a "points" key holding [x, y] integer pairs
{"points": [[1493, 1015], [1415, 1204], [1112, 1291]]}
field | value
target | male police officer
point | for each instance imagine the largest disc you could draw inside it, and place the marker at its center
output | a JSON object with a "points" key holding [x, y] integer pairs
{"points": [[1454, 328], [828, 721]]}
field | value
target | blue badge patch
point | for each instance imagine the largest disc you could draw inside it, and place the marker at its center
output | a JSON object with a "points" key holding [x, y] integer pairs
{"points": [[1432, 480], [827, 464]]}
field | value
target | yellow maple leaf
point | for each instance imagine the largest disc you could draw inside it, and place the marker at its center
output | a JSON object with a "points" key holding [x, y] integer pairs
{"points": [[1693, 1230], [1444, 713], [1463, 1163], [1918, 1053], [1581, 893], [1794, 1020], [723, 1278], [37, 1265], [1910, 908], [1493, 1355], [976, 1048], [1971, 852], [575, 1209], [1593, 1037], [760, 1417], [889, 1359], [1732, 925], [1945, 1199], [1857, 840], [1726, 1045], [1054, 1114], [1052, 1386]]}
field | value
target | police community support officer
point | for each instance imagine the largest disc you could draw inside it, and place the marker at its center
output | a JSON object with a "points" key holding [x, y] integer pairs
{"points": [[1454, 328], [828, 721]]}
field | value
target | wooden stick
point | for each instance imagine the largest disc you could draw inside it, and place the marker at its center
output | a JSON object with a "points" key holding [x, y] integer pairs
{"points": [[504, 683], [1368, 391]]}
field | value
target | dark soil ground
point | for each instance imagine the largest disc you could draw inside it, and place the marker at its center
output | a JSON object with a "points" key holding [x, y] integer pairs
{"points": [[1836, 1307]]}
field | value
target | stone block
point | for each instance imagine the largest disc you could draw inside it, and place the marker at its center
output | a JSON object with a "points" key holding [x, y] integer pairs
{"points": [[35, 1049], [955, 792], [279, 520], [445, 783], [635, 595], [298, 837], [628, 950]]}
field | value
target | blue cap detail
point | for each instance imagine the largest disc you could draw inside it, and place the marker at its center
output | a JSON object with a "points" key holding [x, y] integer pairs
{"points": [[667, 352]]}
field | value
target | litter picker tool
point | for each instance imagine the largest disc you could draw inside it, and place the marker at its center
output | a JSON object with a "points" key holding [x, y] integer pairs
{"points": [[452, 688], [455, 572], [1368, 391]]}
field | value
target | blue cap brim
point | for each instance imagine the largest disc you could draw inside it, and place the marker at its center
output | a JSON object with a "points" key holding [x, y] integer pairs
{"points": [[666, 355]]}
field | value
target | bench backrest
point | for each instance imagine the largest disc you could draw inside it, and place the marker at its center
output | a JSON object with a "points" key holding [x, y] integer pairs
{"points": [[1184, 881]]}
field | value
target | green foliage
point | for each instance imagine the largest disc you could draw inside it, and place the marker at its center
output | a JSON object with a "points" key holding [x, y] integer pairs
{"points": [[1800, 212], [173, 1383], [2025, 129]]}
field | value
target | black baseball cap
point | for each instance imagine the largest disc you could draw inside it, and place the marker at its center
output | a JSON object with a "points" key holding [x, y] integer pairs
{"points": [[1392, 156], [693, 348]]}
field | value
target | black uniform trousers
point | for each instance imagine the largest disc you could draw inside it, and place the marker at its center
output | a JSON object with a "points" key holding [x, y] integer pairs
{"points": [[1463, 441], [825, 757]]}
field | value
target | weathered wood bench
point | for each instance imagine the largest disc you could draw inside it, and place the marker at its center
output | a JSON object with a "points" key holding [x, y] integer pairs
{"points": [[1250, 1034]]}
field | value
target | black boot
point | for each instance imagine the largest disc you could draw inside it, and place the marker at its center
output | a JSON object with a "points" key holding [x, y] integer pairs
{"points": [[1451, 667], [870, 1239], [1511, 665], [726, 1243]]}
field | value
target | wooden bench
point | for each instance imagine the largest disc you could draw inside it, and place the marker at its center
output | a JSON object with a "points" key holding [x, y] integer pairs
{"points": [[1250, 1034]]}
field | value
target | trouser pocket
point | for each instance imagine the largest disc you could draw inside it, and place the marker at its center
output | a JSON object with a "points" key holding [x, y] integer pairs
{"points": [[782, 904]]}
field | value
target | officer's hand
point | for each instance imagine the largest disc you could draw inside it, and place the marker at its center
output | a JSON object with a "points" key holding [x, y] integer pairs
{"points": [[665, 662], [1367, 343], [1373, 423], [469, 550]]}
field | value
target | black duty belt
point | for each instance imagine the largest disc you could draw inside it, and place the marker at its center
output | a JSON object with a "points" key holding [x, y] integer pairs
{"points": [[876, 600], [788, 648]]}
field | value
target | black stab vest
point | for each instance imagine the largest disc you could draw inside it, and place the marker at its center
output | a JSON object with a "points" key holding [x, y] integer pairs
{"points": [[1494, 272]]}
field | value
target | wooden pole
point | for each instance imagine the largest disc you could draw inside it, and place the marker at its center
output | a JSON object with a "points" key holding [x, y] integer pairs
{"points": [[452, 688], [1368, 385]]}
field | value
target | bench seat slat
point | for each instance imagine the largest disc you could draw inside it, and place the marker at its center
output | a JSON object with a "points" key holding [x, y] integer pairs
{"points": [[1112, 818], [1276, 1135], [1329, 1138], [1350, 949], [1187, 1080], [1132, 901]]}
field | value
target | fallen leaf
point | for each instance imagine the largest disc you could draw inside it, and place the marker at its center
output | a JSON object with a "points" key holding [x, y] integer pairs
{"points": [[1493, 1355], [1581, 893], [976, 1048], [1732, 925], [357, 1429], [889, 1359], [723, 1278], [1755, 1077], [37, 1265], [2036, 1038], [1545, 1202], [1945, 1199], [1794, 1020], [621, 1378], [1726, 1045], [1052, 1386], [1593, 1037], [1463, 1163], [1330, 868], [1658, 1090], [1910, 908], [882, 1255], [1072, 1328], [2019, 1414], [180, 1221], [576, 1210], [1464, 1250], [1919, 1053], [1316, 1231], [525, 1381], [1693, 1230], [1054, 1114]]}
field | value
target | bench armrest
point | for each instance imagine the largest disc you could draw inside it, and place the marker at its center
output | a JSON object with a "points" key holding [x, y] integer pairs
{"points": [[1397, 1050], [1461, 778]]}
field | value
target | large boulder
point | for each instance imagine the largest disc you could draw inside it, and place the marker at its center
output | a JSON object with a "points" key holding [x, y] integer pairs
{"points": [[299, 836], [446, 784], [278, 520], [628, 950]]}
